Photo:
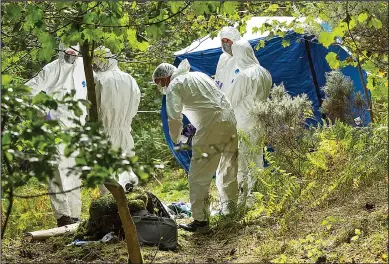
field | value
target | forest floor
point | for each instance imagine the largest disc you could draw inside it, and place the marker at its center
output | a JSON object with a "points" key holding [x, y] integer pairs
{"points": [[346, 229]]}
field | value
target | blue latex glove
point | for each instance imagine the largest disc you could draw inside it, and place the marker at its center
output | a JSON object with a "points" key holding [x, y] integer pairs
{"points": [[189, 130], [48, 117]]}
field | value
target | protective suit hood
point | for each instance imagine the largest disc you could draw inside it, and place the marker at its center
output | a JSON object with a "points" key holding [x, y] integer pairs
{"points": [[104, 59], [183, 67], [224, 67], [244, 56]]}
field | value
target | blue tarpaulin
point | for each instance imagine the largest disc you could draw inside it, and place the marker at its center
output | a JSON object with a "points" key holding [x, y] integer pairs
{"points": [[288, 65]]}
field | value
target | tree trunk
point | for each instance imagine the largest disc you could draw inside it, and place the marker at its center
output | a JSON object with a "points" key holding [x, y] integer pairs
{"points": [[90, 83], [134, 254]]}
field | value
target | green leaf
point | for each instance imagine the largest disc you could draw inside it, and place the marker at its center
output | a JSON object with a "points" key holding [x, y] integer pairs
{"points": [[357, 231], [326, 38], [33, 15], [175, 6], [333, 60], [200, 8], [261, 44], [362, 17], [5, 80], [375, 22], [273, 7], [9, 156], [40, 98], [353, 23], [340, 29], [299, 30], [80, 161], [229, 7], [14, 11], [285, 43], [354, 238], [6, 138]]}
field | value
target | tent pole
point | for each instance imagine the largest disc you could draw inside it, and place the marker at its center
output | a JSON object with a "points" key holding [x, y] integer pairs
{"points": [[369, 104], [308, 50]]}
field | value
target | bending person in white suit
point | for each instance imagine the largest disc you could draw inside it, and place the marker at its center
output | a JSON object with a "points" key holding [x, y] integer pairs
{"points": [[215, 142]]}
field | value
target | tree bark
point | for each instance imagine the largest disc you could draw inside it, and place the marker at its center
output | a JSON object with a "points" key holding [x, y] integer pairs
{"points": [[134, 254], [90, 83]]}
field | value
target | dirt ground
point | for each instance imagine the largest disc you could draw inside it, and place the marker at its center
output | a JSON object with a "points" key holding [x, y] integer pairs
{"points": [[347, 229]]}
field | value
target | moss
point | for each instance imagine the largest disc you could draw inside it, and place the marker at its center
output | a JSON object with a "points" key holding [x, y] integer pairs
{"points": [[104, 216]]}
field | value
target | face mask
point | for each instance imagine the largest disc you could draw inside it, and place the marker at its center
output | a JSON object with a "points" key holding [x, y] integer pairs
{"points": [[70, 58], [227, 48], [161, 88]]}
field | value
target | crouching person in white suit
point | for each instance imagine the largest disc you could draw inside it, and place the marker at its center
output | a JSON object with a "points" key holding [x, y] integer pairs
{"points": [[57, 78], [118, 98]]}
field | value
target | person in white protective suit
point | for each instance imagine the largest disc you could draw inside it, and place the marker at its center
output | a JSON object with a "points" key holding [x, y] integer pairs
{"points": [[57, 78], [251, 85], [214, 145], [118, 98], [224, 70]]}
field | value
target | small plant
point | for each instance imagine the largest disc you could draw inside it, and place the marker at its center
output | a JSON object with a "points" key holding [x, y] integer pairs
{"points": [[340, 100]]}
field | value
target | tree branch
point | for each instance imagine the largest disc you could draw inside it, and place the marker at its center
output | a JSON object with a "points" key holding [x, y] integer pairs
{"points": [[47, 193]]}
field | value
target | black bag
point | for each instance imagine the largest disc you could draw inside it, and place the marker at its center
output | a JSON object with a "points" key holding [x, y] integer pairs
{"points": [[156, 227]]}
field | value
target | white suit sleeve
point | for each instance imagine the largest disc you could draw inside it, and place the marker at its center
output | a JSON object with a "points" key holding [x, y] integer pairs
{"points": [[38, 83], [174, 111]]}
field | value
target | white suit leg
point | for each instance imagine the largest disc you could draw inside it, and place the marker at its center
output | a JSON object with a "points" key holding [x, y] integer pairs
{"points": [[221, 149], [65, 203], [226, 177], [200, 177], [246, 179]]}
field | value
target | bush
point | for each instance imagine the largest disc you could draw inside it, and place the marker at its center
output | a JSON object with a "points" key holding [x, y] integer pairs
{"points": [[340, 102]]}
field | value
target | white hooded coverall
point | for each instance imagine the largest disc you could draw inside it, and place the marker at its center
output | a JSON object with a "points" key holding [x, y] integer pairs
{"points": [[56, 79], [251, 85], [215, 143], [224, 68], [118, 98]]}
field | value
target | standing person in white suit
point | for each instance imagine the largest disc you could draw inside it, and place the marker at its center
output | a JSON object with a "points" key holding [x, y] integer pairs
{"points": [[215, 142], [118, 98], [57, 78], [250, 86], [224, 70]]}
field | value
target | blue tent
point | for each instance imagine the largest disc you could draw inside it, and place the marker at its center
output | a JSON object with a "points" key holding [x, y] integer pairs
{"points": [[301, 67]]}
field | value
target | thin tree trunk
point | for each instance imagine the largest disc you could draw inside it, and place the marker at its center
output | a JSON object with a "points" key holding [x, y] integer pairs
{"points": [[134, 254], [93, 114]]}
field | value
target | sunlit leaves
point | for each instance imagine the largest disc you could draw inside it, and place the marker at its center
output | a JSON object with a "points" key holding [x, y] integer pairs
{"points": [[285, 43], [92, 34], [326, 38], [34, 15], [175, 5], [362, 17], [375, 22], [229, 7], [332, 59], [273, 7]]}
